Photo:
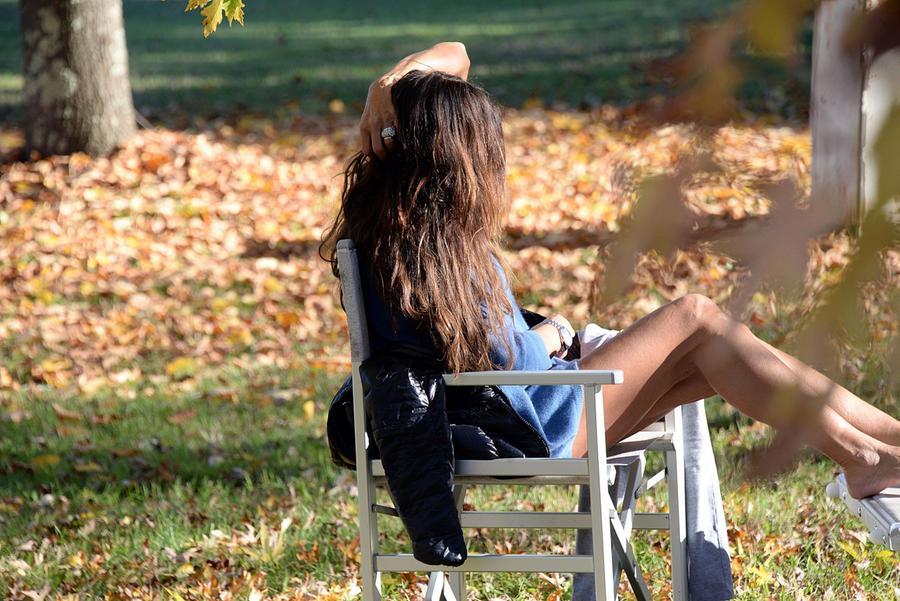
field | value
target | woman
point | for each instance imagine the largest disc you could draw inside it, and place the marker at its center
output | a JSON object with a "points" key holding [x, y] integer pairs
{"points": [[424, 202]]}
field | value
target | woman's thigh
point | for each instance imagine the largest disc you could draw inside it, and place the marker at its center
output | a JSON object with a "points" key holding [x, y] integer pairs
{"points": [[654, 356]]}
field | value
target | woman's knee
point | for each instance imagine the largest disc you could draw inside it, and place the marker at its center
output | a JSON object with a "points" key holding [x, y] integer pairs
{"points": [[701, 313]]}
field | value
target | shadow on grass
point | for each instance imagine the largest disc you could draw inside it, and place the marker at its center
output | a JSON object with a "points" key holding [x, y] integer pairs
{"points": [[310, 53], [234, 435]]}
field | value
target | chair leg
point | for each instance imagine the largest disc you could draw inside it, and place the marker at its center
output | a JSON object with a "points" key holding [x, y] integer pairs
{"points": [[368, 539], [601, 505], [365, 485], [677, 518], [435, 590], [456, 581], [628, 563]]}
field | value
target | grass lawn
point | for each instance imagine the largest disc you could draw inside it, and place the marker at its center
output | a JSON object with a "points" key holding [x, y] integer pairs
{"points": [[174, 487], [313, 52]]}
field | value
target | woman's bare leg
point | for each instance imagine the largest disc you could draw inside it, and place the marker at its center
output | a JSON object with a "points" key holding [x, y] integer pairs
{"points": [[691, 339], [864, 416]]}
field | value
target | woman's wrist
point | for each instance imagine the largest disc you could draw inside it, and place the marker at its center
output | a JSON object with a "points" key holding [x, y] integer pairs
{"points": [[448, 57], [550, 336], [563, 330]]}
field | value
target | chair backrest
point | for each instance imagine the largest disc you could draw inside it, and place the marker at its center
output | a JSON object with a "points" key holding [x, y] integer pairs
{"points": [[354, 307]]}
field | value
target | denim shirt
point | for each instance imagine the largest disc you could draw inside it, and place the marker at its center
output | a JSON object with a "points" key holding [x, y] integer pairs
{"points": [[554, 411]]}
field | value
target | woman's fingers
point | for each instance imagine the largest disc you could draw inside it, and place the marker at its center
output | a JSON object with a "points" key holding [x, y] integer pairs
{"points": [[390, 144], [378, 146], [387, 119], [365, 140], [378, 114]]}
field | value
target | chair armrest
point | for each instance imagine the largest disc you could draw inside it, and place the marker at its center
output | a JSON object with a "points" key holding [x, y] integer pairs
{"points": [[587, 377]]}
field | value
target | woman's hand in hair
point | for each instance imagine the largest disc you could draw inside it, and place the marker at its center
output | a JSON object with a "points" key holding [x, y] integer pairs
{"points": [[378, 114], [448, 57]]}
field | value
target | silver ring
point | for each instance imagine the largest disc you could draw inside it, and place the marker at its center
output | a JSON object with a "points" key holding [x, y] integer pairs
{"points": [[388, 132]]}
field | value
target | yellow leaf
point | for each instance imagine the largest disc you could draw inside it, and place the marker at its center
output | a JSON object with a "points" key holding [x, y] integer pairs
{"points": [[47, 460], [86, 288], [212, 16], [240, 335], [58, 379], [272, 285], [849, 549], [52, 365], [533, 103], [234, 11], [219, 304], [174, 594], [182, 367], [88, 466], [309, 409], [185, 569], [763, 574]]}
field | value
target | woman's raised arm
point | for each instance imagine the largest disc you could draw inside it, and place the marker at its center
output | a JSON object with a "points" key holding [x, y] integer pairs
{"points": [[449, 57]]}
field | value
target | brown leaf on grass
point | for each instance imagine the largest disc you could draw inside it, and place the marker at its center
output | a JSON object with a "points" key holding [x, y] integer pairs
{"points": [[45, 461], [110, 261], [125, 452], [75, 431], [103, 418], [182, 416], [88, 467], [38, 595], [64, 414]]}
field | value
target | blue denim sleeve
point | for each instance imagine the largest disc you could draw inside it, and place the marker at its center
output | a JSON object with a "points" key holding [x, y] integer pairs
{"points": [[529, 350]]}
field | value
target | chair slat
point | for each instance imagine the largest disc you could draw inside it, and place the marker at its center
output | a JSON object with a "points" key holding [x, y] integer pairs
{"points": [[511, 467], [530, 378], [554, 468], [404, 562], [525, 519]]}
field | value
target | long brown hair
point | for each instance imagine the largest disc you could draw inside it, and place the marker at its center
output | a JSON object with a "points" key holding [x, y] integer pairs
{"points": [[429, 218]]}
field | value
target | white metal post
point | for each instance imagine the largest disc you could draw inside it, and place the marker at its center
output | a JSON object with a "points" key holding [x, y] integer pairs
{"points": [[457, 580], [368, 524], [601, 506], [836, 112], [677, 517]]}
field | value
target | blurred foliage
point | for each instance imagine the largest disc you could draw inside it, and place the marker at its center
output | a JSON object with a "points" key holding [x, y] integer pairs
{"points": [[708, 74]]}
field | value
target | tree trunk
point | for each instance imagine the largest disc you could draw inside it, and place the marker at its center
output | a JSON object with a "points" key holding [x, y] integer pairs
{"points": [[77, 94]]}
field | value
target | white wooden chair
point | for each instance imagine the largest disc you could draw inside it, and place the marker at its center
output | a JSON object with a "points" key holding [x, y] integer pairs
{"points": [[610, 526]]}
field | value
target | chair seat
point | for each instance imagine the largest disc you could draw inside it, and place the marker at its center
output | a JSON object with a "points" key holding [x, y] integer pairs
{"points": [[477, 562], [555, 471]]}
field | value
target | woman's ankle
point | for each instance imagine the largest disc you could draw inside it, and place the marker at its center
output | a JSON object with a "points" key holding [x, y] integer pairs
{"points": [[866, 457]]}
